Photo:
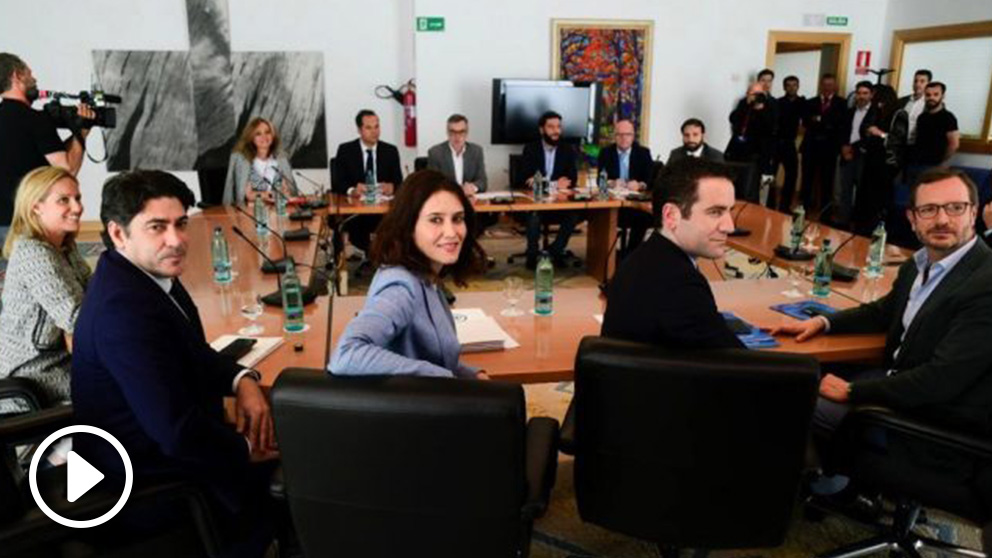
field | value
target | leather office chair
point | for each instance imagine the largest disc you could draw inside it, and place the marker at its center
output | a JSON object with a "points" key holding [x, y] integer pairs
{"points": [[419, 164], [915, 464], [689, 449], [26, 532], [17, 397], [406, 466]]}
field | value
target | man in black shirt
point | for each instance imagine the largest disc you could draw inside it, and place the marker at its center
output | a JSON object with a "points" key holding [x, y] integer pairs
{"points": [[790, 112], [28, 138], [937, 136], [753, 137]]}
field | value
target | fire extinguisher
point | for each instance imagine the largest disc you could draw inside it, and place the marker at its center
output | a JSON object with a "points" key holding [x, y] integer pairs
{"points": [[406, 96]]}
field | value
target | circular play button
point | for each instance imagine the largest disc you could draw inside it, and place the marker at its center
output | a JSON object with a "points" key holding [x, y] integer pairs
{"points": [[81, 476]]}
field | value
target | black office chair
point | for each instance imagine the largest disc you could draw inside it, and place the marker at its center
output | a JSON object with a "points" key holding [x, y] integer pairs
{"points": [[406, 466], [689, 449], [18, 396], [419, 164], [916, 464], [26, 532]]}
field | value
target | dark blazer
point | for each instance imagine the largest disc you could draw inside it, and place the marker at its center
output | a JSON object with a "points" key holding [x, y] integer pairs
{"points": [[640, 162], [944, 368], [709, 154], [824, 128], [870, 119], [658, 296], [533, 161], [753, 135], [440, 159], [144, 373], [350, 161]]}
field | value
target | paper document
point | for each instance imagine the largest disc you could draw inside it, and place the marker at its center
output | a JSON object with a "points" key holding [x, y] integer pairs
{"points": [[262, 348], [478, 332], [494, 195]]}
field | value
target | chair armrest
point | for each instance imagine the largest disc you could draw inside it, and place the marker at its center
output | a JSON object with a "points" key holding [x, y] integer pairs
{"points": [[18, 395], [540, 465], [31, 427], [881, 417], [566, 436]]}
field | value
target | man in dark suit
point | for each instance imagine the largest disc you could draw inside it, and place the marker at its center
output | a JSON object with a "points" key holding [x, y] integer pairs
{"points": [[860, 117], [915, 104], [354, 159], [753, 124], [629, 162], [144, 372], [459, 159], [938, 320], [790, 112], [823, 120], [556, 162], [694, 144], [658, 295]]}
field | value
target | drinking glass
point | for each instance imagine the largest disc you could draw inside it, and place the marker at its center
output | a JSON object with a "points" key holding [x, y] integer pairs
{"points": [[251, 309], [513, 288], [795, 280]]}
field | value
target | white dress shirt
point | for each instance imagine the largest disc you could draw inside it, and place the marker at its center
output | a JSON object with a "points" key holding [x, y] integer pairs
{"points": [[914, 108], [859, 117], [459, 161]]}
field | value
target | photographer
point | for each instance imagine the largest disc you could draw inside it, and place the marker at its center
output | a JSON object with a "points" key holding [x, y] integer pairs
{"points": [[753, 137], [28, 138]]}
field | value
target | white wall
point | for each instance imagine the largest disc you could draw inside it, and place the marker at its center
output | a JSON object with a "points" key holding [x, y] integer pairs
{"points": [[704, 54], [803, 65], [364, 45]]}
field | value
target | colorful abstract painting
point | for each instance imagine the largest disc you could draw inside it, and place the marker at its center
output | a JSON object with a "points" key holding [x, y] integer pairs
{"points": [[615, 53]]}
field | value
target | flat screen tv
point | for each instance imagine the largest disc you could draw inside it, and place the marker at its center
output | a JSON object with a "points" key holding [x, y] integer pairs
{"points": [[519, 103]]}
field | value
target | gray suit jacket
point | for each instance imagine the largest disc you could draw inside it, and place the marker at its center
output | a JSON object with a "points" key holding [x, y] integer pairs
{"points": [[474, 168], [240, 174], [709, 153]]}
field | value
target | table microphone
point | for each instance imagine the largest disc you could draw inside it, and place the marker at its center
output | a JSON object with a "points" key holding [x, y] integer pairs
{"points": [[275, 299], [798, 254], [843, 273], [269, 266], [321, 200], [738, 231], [301, 214]]}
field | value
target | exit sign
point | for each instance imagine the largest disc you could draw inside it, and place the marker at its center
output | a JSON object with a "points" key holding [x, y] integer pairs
{"points": [[430, 24], [837, 21]]}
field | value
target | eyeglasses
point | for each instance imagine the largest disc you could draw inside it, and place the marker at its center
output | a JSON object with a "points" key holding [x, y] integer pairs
{"points": [[953, 209]]}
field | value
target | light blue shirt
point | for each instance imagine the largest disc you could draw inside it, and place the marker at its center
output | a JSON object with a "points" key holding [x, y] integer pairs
{"points": [[549, 160], [624, 165], [921, 290]]}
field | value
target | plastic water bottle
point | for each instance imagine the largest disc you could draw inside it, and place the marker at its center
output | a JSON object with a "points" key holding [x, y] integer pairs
{"points": [[538, 186], [798, 226], [876, 252], [261, 216], [281, 201], [604, 186], [292, 300], [220, 257], [371, 188], [544, 283], [823, 270]]}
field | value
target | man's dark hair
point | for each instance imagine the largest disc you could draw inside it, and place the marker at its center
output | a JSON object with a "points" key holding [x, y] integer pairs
{"points": [[693, 122], [394, 243], [456, 118], [766, 72], [828, 75], [788, 79], [866, 84], [940, 84], [9, 63], [936, 174], [678, 183], [361, 116], [923, 72], [126, 194], [547, 116]]}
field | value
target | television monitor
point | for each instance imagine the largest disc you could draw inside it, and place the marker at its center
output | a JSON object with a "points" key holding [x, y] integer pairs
{"points": [[519, 103]]}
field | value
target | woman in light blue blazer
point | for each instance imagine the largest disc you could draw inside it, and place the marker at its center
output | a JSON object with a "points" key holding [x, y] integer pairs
{"points": [[257, 164], [406, 326]]}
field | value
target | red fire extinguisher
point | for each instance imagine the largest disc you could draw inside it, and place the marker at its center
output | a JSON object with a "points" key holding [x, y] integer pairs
{"points": [[410, 114]]}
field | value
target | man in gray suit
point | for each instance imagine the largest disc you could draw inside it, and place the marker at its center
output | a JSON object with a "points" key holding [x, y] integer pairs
{"points": [[694, 144], [458, 159]]}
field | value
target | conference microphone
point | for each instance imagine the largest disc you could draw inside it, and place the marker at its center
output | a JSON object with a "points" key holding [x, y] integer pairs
{"points": [[302, 233], [798, 255], [270, 266], [321, 200], [739, 231], [843, 273], [275, 299]]}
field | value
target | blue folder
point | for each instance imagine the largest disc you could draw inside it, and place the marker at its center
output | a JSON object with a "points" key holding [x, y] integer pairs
{"points": [[804, 309], [751, 336]]}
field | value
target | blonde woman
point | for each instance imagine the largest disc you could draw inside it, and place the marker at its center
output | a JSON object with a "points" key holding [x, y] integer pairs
{"points": [[45, 280], [257, 164]]}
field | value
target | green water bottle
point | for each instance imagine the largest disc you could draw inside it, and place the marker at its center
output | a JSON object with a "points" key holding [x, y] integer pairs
{"points": [[876, 252], [220, 256], [823, 270], [261, 216], [292, 300], [544, 282]]}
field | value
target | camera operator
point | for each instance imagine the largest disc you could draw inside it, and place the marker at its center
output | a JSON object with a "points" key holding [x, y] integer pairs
{"points": [[752, 141], [28, 138]]}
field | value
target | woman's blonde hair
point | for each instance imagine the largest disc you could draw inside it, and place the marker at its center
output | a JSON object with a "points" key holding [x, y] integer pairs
{"points": [[246, 145], [34, 187]]}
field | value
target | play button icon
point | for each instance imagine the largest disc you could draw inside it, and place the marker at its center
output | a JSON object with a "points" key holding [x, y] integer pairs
{"points": [[81, 476]]}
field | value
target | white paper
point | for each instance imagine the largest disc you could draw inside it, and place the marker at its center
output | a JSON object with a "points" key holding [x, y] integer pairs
{"points": [[478, 332], [262, 348]]}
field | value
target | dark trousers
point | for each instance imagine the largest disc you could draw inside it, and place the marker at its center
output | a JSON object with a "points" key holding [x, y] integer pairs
{"points": [[819, 168], [566, 221], [360, 229], [635, 224], [851, 174], [789, 159], [874, 193]]}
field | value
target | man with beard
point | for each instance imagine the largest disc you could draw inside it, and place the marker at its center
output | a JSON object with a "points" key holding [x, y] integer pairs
{"points": [[915, 103], [860, 117], [937, 135], [556, 162], [694, 144], [28, 138], [790, 113], [823, 120]]}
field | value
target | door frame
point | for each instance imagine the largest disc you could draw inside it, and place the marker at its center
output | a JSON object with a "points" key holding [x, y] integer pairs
{"points": [[843, 39]]}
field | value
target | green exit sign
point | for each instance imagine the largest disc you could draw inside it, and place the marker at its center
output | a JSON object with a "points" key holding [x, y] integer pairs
{"points": [[430, 24], [838, 21]]}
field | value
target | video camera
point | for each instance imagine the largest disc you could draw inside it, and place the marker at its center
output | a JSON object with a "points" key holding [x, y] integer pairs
{"points": [[66, 116]]}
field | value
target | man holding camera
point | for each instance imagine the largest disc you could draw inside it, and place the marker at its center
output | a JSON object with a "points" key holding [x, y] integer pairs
{"points": [[28, 138], [753, 139]]}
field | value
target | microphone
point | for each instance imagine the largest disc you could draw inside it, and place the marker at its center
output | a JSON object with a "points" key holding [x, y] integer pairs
{"points": [[321, 200], [301, 233], [799, 255], [737, 230], [301, 213], [843, 273], [275, 299], [270, 266]]}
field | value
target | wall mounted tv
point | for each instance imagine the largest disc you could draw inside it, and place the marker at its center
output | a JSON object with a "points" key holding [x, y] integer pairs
{"points": [[519, 103]]}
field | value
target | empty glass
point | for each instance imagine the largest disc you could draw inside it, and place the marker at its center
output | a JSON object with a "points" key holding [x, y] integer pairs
{"points": [[251, 309], [795, 280], [513, 288]]}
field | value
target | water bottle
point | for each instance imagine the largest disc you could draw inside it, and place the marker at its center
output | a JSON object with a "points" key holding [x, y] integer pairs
{"points": [[371, 188], [544, 282], [823, 270], [281, 201], [876, 252], [220, 257], [604, 186], [261, 215], [292, 300], [798, 226], [538, 186]]}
